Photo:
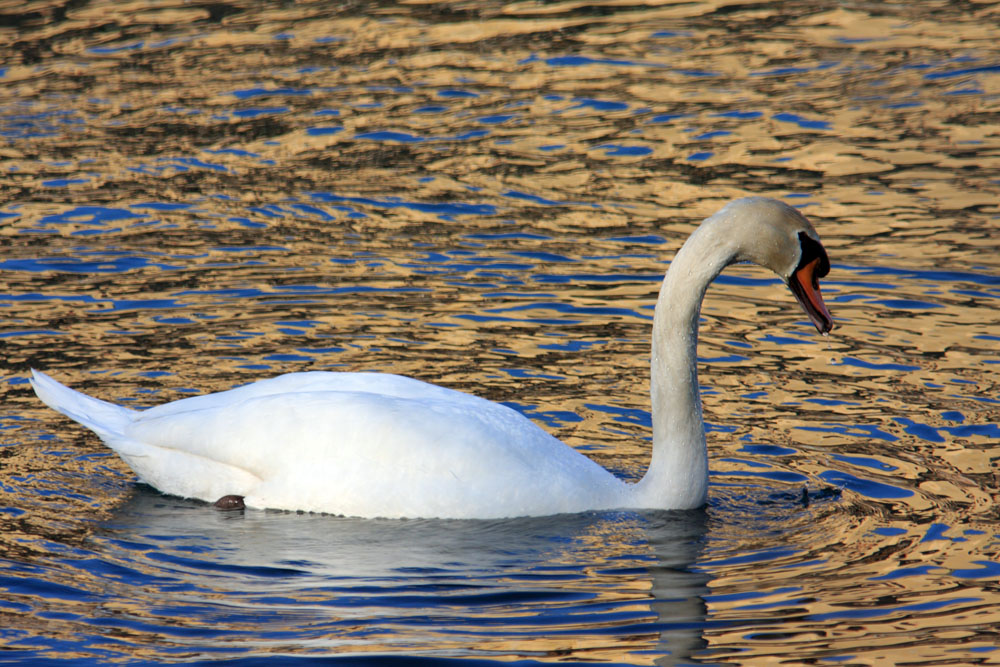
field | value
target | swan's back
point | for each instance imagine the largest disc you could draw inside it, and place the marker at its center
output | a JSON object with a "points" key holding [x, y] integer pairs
{"points": [[381, 384]]}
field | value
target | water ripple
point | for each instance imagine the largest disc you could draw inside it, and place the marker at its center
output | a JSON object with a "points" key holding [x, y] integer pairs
{"points": [[197, 196]]}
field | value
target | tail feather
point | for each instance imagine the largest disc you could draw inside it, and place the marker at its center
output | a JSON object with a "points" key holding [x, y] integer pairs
{"points": [[105, 419]]}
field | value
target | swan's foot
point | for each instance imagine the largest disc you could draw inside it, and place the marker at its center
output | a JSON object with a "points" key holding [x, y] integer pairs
{"points": [[230, 503]]}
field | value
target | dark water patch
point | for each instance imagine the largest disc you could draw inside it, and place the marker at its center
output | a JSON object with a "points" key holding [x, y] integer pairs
{"points": [[907, 609], [854, 431], [963, 71], [986, 570], [120, 264], [865, 462], [583, 61], [785, 476], [761, 556], [443, 209], [871, 365], [804, 123], [248, 93], [624, 150], [922, 431], [865, 487], [768, 450]]}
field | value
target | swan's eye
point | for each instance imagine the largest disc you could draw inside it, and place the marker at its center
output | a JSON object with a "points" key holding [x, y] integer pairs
{"points": [[811, 251]]}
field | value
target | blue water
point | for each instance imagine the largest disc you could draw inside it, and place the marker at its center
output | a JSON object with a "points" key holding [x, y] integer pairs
{"points": [[197, 197], [194, 582]]}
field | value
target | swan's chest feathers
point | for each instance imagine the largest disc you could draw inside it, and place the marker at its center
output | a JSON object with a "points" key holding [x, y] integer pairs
{"points": [[380, 445]]}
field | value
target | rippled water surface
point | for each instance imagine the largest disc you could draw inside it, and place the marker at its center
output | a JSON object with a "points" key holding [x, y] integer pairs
{"points": [[484, 195]]}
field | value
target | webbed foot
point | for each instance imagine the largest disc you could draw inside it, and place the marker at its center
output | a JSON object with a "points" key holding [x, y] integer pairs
{"points": [[230, 503]]}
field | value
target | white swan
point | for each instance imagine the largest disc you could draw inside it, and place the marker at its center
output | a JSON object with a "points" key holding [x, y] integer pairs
{"points": [[379, 445]]}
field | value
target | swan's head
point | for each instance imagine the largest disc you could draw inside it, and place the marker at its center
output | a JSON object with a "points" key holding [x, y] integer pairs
{"points": [[776, 236]]}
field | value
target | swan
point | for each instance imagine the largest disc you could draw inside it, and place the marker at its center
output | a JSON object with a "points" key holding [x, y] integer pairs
{"points": [[381, 445]]}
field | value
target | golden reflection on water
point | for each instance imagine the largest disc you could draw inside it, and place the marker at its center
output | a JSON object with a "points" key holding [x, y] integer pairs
{"points": [[483, 195]]}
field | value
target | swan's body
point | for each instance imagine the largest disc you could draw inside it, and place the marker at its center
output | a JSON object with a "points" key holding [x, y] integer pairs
{"points": [[378, 445], [359, 444]]}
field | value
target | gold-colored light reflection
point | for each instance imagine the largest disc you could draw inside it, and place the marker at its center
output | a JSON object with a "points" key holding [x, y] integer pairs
{"points": [[483, 196]]}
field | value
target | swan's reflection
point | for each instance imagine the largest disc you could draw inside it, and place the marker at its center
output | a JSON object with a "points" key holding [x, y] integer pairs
{"points": [[604, 584]]}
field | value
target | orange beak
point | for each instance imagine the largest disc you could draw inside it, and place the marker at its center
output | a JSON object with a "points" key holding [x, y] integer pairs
{"points": [[804, 284]]}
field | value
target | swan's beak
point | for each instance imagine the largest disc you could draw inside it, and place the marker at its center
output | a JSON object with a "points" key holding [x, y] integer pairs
{"points": [[804, 284]]}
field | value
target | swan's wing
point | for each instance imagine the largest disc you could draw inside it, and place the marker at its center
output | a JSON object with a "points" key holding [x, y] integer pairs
{"points": [[366, 454], [384, 384], [364, 444]]}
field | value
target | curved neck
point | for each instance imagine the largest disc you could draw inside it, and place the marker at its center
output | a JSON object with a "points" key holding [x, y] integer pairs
{"points": [[678, 471]]}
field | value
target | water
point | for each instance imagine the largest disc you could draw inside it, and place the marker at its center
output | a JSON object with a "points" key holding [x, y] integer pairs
{"points": [[485, 196]]}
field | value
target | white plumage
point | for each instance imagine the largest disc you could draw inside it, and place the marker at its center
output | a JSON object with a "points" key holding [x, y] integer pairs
{"points": [[379, 445]]}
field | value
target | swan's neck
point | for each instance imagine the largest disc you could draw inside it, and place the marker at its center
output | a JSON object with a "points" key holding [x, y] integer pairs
{"points": [[678, 471]]}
